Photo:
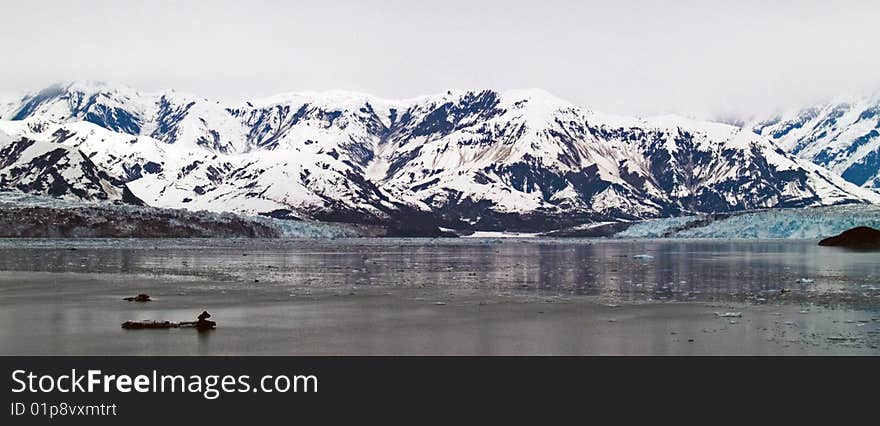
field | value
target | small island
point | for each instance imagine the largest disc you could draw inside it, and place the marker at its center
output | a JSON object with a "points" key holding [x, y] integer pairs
{"points": [[859, 238]]}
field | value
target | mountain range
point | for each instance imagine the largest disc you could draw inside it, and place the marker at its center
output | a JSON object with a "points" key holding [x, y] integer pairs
{"points": [[842, 135], [520, 160]]}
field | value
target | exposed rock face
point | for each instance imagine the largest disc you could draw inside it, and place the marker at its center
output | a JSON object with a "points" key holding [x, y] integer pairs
{"points": [[860, 238]]}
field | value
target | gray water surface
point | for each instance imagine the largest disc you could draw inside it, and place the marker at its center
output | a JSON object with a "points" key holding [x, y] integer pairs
{"points": [[444, 296]]}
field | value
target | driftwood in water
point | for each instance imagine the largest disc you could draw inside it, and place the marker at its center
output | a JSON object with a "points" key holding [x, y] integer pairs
{"points": [[136, 325], [202, 324]]}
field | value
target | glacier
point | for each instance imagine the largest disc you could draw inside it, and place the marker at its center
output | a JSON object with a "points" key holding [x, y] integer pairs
{"points": [[803, 223]]}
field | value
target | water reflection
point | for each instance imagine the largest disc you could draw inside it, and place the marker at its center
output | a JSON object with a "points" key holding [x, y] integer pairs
{"points": [[677, 270]]}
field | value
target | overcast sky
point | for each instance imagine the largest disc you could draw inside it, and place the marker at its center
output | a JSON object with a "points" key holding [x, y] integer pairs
{"points": [[636, 57]]}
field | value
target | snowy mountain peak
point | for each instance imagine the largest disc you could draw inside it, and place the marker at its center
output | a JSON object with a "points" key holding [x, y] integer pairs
{"points": [[334, 98], [96, 86], [537, 98]]}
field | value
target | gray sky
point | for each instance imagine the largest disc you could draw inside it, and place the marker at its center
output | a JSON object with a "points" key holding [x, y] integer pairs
{"points": [[635, 57]]}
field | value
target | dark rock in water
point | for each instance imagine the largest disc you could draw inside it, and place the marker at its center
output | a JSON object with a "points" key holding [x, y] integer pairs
{"points": [[203, 323], [139, 298], [136, 325], [860, 238]]}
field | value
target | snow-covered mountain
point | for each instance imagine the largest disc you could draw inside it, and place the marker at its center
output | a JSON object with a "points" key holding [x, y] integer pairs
{"points": [[841, 135], [44, 168], [463, 159], [481, 155]]}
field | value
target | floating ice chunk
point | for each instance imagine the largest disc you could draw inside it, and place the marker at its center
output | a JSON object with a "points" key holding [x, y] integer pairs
{"points": [[643, 256], [805, 281], [729, 314]]}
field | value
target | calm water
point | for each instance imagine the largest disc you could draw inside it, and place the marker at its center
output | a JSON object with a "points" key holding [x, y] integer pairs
{"points": [[682, 270], [63, 296]]}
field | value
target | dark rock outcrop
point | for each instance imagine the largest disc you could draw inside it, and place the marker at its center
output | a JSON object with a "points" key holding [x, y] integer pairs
{"points": [[139, 298], [859, 238], [204, 323]]}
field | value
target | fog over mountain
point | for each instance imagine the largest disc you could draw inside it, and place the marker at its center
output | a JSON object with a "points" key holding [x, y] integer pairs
{"points": [[709, 59]]}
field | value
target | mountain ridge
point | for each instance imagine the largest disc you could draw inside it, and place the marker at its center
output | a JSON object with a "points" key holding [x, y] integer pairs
{"points": [[468, 159]]}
